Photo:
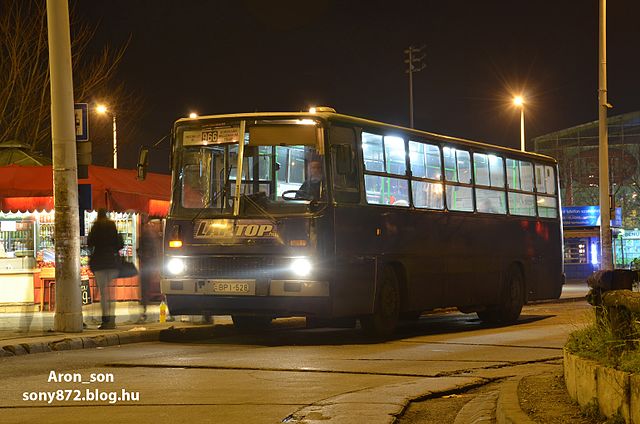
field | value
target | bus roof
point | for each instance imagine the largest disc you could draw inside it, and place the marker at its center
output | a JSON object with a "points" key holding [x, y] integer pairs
{"points": [[338, 117]]}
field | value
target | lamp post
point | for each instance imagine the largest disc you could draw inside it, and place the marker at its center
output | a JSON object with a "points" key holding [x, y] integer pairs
{"points": [[519, 102], [102, 109]]}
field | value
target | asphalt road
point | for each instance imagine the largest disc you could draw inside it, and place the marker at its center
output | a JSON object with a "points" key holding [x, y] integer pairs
{"points": [[288, 374]]}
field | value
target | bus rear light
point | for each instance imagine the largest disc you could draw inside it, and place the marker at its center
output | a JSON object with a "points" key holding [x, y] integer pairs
{"points": [[175, 243], [298, 243]]}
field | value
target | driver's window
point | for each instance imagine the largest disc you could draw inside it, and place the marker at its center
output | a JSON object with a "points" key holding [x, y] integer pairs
{"points": [[344, 169]]}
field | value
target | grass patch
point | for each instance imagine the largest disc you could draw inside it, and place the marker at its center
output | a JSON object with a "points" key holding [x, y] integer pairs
{"points": [[598, 342]]}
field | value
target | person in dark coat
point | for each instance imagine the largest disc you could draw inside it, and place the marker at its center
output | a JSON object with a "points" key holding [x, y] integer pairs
{"points": [[105, 242], [310, 188], [150, 255]]}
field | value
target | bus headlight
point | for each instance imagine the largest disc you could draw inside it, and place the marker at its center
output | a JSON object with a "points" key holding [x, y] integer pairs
{"points": [[301, 267], [175, 266]]}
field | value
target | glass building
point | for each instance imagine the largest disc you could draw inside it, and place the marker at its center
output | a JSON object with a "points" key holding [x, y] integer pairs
{"points": [[576, 150]]}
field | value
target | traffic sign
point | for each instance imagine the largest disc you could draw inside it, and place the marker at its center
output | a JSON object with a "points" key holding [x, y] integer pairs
{"points": [[81, 111]]}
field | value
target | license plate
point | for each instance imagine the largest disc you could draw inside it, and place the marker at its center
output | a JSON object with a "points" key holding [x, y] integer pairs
{"points": [[234, 287]]}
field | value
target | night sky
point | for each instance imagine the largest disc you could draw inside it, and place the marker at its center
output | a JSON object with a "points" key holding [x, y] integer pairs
{"points": [[250, 55]]}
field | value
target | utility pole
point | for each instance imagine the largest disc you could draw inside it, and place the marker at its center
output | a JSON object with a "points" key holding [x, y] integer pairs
{"points": [[606, 256], [415, 59], [68, 317]]}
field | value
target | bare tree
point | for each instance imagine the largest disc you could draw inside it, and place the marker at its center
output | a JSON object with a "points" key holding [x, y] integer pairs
{"points": [[24, 72]]}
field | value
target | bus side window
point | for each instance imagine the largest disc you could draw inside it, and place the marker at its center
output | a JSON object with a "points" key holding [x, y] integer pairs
{"points": [[344, 165], [457, 169]]}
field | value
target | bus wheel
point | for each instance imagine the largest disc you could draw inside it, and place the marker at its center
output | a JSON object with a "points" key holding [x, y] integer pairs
{"points": [[384, 319], [512, 303], [251, 322]]}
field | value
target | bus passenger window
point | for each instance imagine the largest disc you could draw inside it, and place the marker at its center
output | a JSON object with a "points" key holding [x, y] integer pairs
{"points": [[550, 179], [490, 201], [425, 160], [522, 204], [540, 182], [513, 174], [545, 179], [481, 169], [372, 152], [450, 168], [496, 171], [395, 154], [547, 207], [459, 198], [526, 176], [386, 190], [457, 165], [427, 195], [464, 166]]}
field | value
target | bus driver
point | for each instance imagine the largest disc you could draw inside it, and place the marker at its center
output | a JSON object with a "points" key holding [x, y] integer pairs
{"points": [[310, 189]]}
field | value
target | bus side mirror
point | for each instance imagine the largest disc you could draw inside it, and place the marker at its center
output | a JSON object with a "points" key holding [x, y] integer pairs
{"points": [[343, 158], [143, 162]]}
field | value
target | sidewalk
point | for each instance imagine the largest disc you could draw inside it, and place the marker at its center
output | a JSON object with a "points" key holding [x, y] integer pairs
{"points": [[505, 405], [23, 323]]}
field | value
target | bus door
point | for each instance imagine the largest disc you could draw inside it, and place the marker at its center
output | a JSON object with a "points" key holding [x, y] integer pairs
{"points": [[355, 261]]}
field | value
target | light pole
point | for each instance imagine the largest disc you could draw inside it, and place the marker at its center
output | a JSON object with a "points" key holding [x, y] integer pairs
{"points": [[412, 61], [103, 110], [519, 102]]}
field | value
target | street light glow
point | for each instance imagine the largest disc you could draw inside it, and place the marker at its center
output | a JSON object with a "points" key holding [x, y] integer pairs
{"points": [[193, 115], [103, 110], [518, 101]]}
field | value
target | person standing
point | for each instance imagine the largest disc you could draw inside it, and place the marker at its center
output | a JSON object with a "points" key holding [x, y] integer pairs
{"points": [[105, 242], [150, 255]]}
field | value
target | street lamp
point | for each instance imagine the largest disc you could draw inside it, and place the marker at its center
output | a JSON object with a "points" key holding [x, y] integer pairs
{"points": [[103, 110], [519, 102]]}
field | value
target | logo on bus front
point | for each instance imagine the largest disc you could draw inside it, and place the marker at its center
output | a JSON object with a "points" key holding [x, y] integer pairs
{"points": [[232, 229]]}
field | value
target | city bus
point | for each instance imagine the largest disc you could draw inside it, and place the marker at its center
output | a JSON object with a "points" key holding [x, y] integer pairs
{"points": [[400, 222]]}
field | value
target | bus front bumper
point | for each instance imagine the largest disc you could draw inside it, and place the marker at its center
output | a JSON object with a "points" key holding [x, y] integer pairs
{"points": [[228, 296]]}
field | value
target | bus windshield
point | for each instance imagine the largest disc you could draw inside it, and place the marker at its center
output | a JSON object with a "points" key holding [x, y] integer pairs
{"points": [[278, 175]]}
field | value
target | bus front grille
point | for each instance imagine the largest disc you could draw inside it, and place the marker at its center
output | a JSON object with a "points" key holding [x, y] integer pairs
{"points": [[231, 267]]}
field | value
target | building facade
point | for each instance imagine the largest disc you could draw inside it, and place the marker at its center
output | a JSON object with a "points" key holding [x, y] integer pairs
{"points": [[576, 150]]}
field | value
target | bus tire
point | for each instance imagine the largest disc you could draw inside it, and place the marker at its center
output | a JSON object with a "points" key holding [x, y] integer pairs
{"points": [[247, 323], [383, 321], [512, 300]]}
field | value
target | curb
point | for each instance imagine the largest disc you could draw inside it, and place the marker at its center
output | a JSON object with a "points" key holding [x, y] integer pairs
{"points": [[107, 339], [508, 409], [613, 392]]}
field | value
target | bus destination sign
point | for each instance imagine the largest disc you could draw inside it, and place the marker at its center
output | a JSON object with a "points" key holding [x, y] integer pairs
{"points": [[211, 135]]}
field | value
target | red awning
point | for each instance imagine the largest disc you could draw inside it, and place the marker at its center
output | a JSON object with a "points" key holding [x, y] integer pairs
{"points": [[113, 189]]}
